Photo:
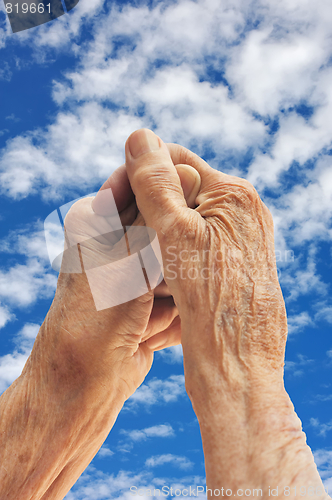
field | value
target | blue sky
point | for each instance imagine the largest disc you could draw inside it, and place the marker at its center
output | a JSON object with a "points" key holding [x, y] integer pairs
{"points": [[247, 85]]}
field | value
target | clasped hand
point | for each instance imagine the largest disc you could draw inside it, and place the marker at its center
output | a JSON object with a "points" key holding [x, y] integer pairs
{"points": [[232, 283], [220, 298]]}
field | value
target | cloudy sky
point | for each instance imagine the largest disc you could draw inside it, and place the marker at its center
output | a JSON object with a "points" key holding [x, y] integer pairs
{"points": [[245, 84]]}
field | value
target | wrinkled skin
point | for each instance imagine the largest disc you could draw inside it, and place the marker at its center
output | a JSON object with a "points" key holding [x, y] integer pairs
{"points": [[229, 282], [110, 343], [242, 292], [237, 288], [233, 318], [85, 363]]}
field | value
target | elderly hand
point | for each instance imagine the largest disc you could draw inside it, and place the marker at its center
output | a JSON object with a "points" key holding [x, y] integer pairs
{"points": [[220, 267], [110, 342], [86, 360], [219, 261], [217, 248]]}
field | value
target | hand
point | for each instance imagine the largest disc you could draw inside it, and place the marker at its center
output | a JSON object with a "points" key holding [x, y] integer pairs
{"points": [[219, 262], [85, 362], [220, 267], [110, 343]]}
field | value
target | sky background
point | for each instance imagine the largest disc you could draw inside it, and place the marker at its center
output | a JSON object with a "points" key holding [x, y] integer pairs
{"points": [[245, 84]]}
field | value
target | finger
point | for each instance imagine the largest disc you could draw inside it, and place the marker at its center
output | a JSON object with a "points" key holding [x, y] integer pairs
{"points": [[155, 181], [104, 225], [167, 338], [190, 183], [162, 315], [212, 181], [182, 155], [118, 182], [120, 187]]}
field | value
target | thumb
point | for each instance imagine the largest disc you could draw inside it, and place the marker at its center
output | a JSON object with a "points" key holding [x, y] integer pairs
{"points": [[155, 181]]}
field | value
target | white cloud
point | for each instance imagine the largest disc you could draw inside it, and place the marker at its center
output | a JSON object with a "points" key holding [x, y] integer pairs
{"points": [[265, 67], [11, 365], [26, 336], [12, 118], [185, 106], [177, 461], [28, 241], [158, 391], [297, 322], [328, 485], [5, 316], [322, 429], [323, 460], [23, 285], [304, 213], [323, 398], [57, 35], [172, 354], [162, 430], [97, 485], [78, 150], [296, 368], [105, 452], [301, 281], [324, 313], [29, 331], [5, 72]]}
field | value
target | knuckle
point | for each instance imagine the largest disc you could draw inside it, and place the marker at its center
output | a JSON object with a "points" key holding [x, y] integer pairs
{"points": [[242, 194], [249, 191], [236, 189]]}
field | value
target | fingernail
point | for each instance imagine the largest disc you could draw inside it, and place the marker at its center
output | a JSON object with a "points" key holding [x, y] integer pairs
{"points": [[143, 141], [190, 182]]}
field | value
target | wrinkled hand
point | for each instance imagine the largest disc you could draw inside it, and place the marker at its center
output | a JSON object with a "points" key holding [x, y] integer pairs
{"points": [[110, 342], [219, 264]]}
